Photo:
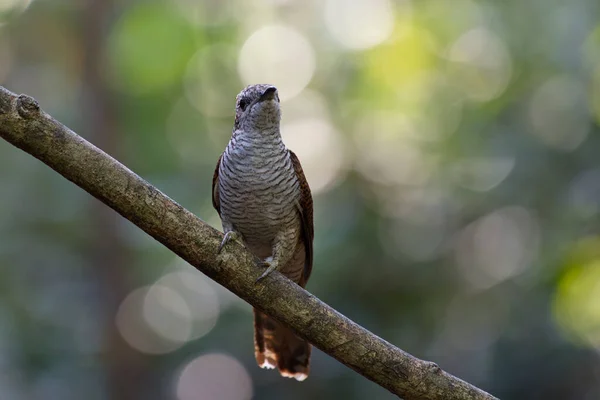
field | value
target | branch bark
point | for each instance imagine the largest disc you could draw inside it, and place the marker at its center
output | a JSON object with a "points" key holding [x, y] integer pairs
{"points": [[24, 125]]}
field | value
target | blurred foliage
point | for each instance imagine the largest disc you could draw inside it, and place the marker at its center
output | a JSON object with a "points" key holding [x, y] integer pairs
{"points": [[146, 31], [452, 147]]}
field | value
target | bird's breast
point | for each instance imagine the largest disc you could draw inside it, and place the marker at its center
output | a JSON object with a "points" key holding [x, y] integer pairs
{"points": [[258, 191]]}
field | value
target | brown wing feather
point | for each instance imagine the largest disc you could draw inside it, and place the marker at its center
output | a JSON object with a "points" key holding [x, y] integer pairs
{"points": [[306, 213], [215, 187]]}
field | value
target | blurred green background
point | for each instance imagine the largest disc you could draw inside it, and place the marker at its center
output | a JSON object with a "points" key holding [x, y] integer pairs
{"points": [[453, 150]]}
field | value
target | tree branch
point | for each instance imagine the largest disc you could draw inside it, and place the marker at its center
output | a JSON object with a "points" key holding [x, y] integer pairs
{"points": [[23, 124]]}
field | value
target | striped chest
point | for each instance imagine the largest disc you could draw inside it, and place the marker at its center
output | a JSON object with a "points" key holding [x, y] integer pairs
{"points": [[258, 187]]}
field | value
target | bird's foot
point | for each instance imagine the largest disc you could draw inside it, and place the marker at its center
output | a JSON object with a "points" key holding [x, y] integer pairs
{"points": [[222, 256], [229, 236], [270, 266]]}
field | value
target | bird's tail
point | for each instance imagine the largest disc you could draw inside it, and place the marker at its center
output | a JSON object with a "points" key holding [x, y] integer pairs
{"points": [[277, 346]]}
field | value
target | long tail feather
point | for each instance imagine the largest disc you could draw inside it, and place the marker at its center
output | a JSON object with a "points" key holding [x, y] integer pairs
{"points": [[277, 346]]}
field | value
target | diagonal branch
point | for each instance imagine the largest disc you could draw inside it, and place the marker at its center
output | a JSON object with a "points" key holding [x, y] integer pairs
{"points": [[23, 124]]}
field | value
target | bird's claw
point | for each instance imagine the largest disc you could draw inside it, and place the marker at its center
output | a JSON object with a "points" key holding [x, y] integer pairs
{"points": [[270, 265], [229, 236]]}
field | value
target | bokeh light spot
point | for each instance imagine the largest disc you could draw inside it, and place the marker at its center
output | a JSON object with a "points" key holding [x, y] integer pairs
{"points": [[279, 55], [481, 64], [497, 247], [200, 299], [134, 328], [359, 24], [482, 174], [388, 150], [577, 303], [559, 114], [167, 313], [318, 146], [214, 377]]}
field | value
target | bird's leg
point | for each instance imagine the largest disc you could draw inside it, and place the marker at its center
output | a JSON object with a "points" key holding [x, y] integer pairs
{"points": [[283, 250], [229, 236], [271, 266]]}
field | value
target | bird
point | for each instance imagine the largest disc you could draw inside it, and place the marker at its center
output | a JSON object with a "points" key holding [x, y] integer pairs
{"points": [[265, 203]]}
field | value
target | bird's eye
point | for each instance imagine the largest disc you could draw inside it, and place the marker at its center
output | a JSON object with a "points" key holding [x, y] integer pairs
{"points": [[243, 104]]}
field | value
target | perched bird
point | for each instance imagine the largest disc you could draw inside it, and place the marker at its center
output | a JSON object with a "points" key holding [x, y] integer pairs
{"points": [[264, 201]]}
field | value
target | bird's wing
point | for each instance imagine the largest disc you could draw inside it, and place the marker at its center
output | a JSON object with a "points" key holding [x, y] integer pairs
{"points": [[215, 187], [305, 207]]}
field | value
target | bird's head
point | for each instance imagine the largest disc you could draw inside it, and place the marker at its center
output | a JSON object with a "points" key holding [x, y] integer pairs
{"points": [[257, 109]]}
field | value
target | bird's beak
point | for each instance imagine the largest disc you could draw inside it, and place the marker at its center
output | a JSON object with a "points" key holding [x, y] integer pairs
{"points": [[270, 93]]}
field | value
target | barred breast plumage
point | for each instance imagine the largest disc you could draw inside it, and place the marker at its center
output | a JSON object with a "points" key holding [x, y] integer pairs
{"points": [[259, 190], [263, 198]]}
